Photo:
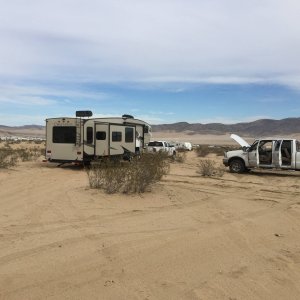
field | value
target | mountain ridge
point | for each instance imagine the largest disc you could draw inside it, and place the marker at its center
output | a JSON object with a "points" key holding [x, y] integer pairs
{"points": [[258, 127], [261, 127]]}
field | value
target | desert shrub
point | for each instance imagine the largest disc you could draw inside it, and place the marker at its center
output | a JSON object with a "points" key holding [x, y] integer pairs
{"points": [[29, 154], [144, 172], [204, 150], [209, 168], [128, 177], [8, 158], [180, 157]]}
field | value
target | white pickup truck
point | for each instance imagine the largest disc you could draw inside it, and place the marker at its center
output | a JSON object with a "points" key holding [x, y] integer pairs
{"points": [[161, 146], [278, 153]]}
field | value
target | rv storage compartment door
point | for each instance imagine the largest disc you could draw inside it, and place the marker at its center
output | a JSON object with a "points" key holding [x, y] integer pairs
{"points": [[102, 140]]}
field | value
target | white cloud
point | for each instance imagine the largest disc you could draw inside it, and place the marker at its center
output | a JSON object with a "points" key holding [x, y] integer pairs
{"points": [[39, 95], [137, 40]]}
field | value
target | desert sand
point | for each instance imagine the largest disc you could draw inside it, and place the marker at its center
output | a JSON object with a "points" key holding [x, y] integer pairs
{"points": [[191, 237]]}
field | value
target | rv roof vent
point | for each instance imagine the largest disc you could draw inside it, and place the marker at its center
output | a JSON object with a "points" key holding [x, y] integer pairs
{"points": [[83, 113], [127, 117]]}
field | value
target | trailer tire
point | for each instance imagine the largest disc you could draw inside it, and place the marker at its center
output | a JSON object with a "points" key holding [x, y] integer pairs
{"points": [[237, 166]]}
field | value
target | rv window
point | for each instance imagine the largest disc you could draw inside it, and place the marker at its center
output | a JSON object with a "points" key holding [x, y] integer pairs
{"points": [[146, 129], [89, 135], [64, 134], [128, 135], [116, 136], [298, 146], [101, 135]]}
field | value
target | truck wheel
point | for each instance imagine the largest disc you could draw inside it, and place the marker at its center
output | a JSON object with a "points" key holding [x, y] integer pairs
{"points": [[237, 166]]}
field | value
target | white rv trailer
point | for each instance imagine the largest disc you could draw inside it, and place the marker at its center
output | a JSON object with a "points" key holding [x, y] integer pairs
{"points": [[83, 140]]}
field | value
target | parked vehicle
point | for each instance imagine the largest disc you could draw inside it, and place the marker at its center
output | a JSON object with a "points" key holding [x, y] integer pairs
{"points": [[183, 146], [161, 146], [279, 153], [83, 140]]}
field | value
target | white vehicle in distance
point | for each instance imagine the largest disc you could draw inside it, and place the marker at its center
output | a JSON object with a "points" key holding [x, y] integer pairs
{"points": [[161, 146], [183, 146], [267, 153]]}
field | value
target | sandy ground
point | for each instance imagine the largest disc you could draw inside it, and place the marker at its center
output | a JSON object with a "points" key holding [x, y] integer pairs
{"points": [[206, 139], [235, 237]]}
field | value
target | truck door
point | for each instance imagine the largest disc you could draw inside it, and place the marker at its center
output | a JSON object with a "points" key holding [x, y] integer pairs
{"points": [[296, 147], [253, 155], [286, 152], [277, 154], [102, 139], [265, 153], [122, 139]]}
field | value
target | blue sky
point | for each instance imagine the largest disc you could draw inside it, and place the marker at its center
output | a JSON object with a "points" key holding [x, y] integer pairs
{"points": [[162, 60]]}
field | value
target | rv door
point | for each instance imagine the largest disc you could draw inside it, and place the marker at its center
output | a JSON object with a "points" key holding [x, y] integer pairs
{"points": [[102, 139]]}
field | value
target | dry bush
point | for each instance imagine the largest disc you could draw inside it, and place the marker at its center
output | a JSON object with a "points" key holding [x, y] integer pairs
{"points": [[180, 157], [128, 177], [209, 168], [107, 175], [8, 158], [144, 172], [204, 150], [30, 154]]}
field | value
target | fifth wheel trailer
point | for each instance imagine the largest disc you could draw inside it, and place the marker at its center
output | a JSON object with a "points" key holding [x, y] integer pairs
{"points": [[84, 139]]}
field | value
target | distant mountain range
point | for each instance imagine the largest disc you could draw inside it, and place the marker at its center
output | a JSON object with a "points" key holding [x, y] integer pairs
{"points": [[26, 130], [263, 127]]}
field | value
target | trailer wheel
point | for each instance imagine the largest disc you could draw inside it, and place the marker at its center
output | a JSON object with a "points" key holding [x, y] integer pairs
{"points": [[237, 166]]}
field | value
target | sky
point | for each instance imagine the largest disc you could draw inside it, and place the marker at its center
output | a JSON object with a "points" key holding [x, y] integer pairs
{"points": [[163, 61]]}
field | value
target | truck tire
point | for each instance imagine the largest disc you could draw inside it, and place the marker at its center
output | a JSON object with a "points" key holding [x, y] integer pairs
{"points": [[237, 166]]}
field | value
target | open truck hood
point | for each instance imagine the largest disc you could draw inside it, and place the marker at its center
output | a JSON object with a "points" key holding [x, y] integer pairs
{"points": [[239, 140]]}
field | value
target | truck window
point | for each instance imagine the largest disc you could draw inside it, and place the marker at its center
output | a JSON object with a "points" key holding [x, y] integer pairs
{"points": [[116, 136], [64, 134], [155, 144], [89, 135], [101, 135], [128, 135]]}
